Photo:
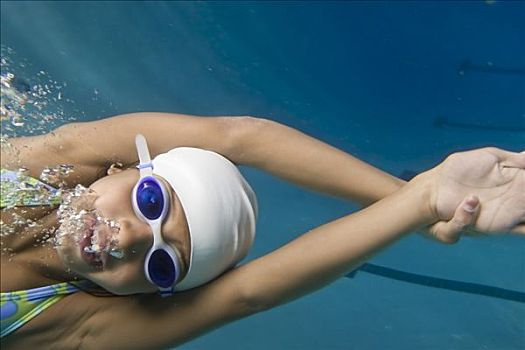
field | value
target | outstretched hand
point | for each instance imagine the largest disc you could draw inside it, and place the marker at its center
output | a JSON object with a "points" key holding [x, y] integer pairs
{"points": [[479, 191]]}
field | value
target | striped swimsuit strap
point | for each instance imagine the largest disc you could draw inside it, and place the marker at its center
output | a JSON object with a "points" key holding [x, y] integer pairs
{"points": [[19, 307]]}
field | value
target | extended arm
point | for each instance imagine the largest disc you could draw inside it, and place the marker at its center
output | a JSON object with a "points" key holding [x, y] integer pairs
{"points": [[302, 266], [321, 255], [278, 149]]}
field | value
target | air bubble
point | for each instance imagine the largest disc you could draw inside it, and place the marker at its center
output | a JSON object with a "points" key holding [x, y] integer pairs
{"points": [[77, 216]]}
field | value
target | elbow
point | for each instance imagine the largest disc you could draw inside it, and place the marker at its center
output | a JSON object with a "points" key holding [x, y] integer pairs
{"points": [[62, 140], [246, 127], [255, 305], [246, 135], [252, 302], [255, 124]]}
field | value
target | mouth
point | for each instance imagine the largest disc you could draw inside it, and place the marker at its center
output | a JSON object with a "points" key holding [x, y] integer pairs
{"points": [[93, 245], [84, 226]]}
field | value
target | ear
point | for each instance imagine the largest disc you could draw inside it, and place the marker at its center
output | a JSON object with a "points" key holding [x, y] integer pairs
{"points": [[115, 168]]}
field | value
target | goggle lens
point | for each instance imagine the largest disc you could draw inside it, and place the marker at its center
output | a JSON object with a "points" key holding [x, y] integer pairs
{"points": [[150, 200], [161, 269]]}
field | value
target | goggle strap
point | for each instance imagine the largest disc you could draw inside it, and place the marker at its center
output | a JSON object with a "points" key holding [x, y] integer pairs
{"points": [[165, 292], [145, 167]]}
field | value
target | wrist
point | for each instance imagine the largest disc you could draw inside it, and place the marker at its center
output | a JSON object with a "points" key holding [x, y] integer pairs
{"points": [[422, 189]]}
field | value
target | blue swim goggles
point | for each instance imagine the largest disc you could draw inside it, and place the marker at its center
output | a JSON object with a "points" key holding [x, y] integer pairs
{"points": [[150, 199]]}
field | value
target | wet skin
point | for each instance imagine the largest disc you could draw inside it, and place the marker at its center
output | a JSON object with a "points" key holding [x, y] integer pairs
{"points": [[126, 275]]}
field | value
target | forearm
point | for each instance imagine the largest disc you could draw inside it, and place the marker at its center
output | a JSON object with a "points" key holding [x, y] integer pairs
{"points": [[304, 160], [330, 251]]}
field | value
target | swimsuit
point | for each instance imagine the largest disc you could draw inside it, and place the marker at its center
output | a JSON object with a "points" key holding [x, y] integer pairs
{"points": [[18, 308], [18, 190]]}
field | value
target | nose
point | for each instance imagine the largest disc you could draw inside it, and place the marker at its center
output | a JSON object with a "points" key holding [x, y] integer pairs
{"points": [[134, 235]]}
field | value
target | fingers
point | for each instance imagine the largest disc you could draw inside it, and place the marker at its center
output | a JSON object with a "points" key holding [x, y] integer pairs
{"points": [[508, 159], [516, 160], [465, 215]]}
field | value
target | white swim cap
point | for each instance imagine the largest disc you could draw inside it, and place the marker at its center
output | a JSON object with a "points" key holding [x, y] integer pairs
{"points": [[220, 207]]}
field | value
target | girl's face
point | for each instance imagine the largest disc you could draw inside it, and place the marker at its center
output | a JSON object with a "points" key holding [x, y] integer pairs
{"points": [[125, 275]]}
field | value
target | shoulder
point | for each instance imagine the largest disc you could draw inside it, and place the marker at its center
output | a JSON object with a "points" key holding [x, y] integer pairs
{"points": [[58, 327], [150, 321], [82, 320]]}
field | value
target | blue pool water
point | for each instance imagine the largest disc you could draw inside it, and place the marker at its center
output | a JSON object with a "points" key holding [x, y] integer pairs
{"points": [[398, 84]]}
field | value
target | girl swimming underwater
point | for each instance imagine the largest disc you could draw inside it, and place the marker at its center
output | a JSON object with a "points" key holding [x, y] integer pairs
{"points": [[144, 257]]}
